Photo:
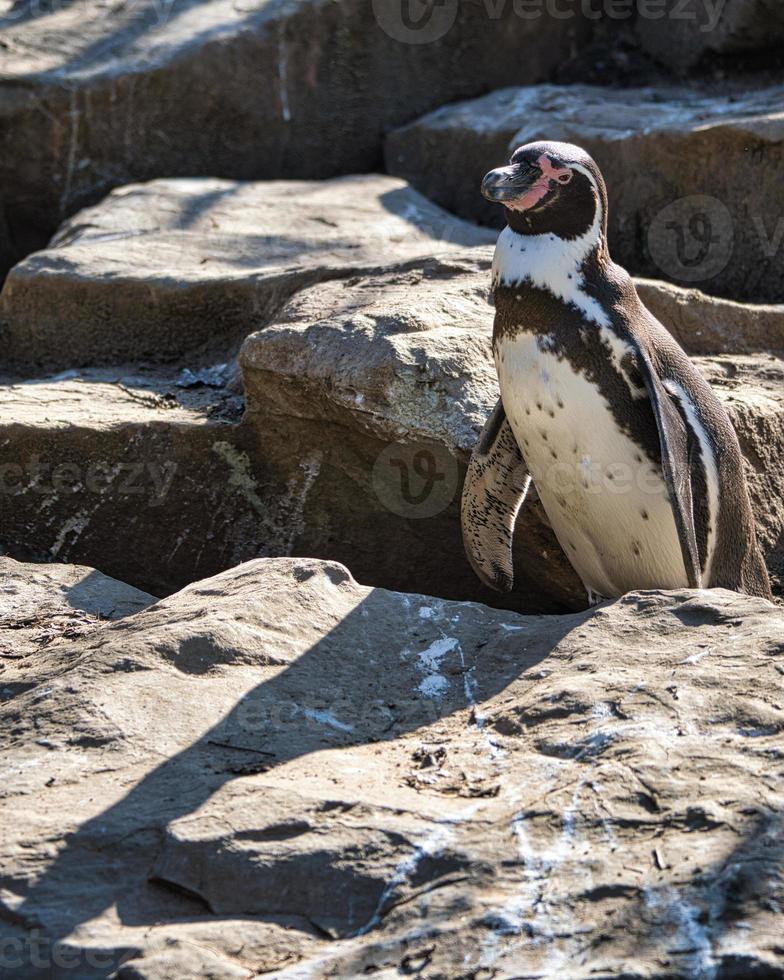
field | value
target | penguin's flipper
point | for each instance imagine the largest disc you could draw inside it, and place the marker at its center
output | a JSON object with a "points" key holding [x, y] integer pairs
{"points": [[674, 440], [495, 487]]}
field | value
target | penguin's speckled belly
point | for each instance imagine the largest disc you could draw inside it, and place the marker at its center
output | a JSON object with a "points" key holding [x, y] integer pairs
{"points": [[606, 500]]}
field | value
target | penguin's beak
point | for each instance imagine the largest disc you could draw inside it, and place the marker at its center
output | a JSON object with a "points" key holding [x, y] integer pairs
{"points": [[509, 183]]}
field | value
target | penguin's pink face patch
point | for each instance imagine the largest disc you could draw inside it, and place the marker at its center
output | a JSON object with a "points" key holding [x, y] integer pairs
{"points": [[550, 177]]}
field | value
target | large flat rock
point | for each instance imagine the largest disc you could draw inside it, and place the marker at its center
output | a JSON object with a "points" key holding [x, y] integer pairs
{"points": [[93, 96], [692, 177], [187, 268], [683, 34], [45, 604], [279, 771], [131, 473]]}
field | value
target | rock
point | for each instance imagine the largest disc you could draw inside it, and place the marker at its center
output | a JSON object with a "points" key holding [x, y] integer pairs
{"points": [[688, 200], [280, 771], [683, 33], [95, 96], [131, 473], [179, 269], [710, 325], [44, 604]]}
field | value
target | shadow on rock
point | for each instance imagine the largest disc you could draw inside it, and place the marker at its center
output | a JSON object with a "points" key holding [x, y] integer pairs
{"points": [[342, 666]]}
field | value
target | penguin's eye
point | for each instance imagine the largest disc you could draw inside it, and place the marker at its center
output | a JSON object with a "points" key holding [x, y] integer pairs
{"points": [[565, 178]]}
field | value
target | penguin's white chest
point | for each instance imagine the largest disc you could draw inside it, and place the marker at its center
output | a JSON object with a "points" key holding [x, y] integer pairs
{"points": [[606, 501]]}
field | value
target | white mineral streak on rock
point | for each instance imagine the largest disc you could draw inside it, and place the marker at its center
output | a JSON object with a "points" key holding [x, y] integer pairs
{"points": [[528, 914], [434, 842], [692, 939], [434, 684], [283, 69], [324, 717], [298, 491], [282, 518]]}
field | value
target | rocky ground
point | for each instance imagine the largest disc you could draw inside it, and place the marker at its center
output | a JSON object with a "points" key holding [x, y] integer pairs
{"points": [[278, 771], [241, 362]]}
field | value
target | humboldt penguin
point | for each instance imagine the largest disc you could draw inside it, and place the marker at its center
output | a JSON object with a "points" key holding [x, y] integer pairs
{"points": [[633, 456]]}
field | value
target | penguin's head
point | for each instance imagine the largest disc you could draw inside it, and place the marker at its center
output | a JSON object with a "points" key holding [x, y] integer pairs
{"points": [[549, 188]]}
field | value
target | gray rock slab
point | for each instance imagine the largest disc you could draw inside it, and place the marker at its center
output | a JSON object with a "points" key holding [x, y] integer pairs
{"points": [[185, 269], [280, 771], [94, 96], [129, 472]]}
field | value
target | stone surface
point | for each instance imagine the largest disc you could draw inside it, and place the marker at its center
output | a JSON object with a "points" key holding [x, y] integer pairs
{"points": [[96, 95], [188, 268], [683, 33], [693, 178], [150, 478], [281, 771], [131, 473], [44, 604], [709, 325]]}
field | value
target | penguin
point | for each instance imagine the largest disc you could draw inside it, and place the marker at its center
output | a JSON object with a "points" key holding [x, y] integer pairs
{"points": [[633, 457]]}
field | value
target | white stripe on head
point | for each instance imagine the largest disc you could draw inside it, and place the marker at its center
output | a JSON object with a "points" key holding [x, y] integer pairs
{"points": [[587, 173]]}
